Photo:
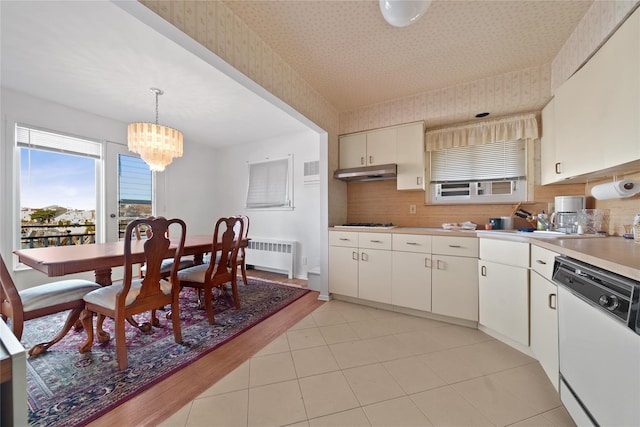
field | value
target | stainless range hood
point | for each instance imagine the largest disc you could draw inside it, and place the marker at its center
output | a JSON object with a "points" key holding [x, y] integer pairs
{"points": [[367, 173]]}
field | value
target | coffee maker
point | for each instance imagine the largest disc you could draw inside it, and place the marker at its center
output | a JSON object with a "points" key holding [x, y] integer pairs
{"points": [[565, 217]]}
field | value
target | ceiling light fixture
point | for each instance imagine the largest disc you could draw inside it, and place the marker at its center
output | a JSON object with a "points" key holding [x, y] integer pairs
{"points": [[157, 145], [401, 13]]}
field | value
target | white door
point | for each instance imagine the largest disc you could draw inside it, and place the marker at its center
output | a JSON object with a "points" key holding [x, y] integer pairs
{"points": [[129, 189]]}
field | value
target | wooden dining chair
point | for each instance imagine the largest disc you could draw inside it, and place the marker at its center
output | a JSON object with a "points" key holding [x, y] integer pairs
{"points": [[222, 267], [241, 253], [167, 263], [136, 296], [39, 301]]}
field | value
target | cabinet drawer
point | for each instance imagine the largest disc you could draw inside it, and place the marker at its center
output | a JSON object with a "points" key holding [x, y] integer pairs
{"points": [[412, 243], [505, 252], [374, 241], [542, 261], [458, 246], [343, 238]]}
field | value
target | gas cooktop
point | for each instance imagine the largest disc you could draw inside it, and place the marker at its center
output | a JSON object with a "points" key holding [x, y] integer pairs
{"points": [[365, 224]]}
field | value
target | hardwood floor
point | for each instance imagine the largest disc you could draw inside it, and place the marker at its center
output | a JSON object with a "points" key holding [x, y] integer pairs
{"points": [[168, 396]]}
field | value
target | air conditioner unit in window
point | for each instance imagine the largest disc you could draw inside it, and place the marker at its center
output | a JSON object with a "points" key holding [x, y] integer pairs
{"points": [[506, 191]]}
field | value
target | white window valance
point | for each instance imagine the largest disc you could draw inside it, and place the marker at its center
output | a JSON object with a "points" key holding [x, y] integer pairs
{"points": [[506, 129]]}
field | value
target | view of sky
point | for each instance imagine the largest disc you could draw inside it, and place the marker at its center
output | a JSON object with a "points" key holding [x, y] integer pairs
{"points": [[48, 178]]}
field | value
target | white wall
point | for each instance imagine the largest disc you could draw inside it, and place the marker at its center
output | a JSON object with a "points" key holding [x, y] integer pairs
{"points": [[301, 224]]}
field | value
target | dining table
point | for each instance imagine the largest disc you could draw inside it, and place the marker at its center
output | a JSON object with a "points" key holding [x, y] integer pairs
{"points": [[55, 261]]}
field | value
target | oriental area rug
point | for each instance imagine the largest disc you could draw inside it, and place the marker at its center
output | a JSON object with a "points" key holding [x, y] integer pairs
{"points": [[66, 388]]}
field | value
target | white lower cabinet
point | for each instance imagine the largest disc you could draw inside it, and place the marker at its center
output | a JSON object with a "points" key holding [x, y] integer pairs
{"points": [[544, 316], [374, 275], [343, 270], [504, 300], [454, 277], [503, 276], [411, 271]]}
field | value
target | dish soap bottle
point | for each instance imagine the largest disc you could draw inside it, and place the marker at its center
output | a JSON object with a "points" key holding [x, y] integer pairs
{"points": [[636, 228], [543, 222]]}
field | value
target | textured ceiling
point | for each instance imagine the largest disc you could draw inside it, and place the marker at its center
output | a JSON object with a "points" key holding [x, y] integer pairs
{"points": [[350, 55]]}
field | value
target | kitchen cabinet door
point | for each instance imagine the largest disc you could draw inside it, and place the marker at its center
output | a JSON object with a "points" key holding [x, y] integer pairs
{"points": [[544, 325], [454, 286], [504, 299], [548, 145], [411, 280], [374, 275], [410, 157], [381, 147], [343, 270], [353, 150]]}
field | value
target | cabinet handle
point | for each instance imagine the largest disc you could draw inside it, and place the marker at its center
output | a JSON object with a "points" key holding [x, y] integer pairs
{"points": [[455, 246], [344, 239], [552, 301], [354, 256], [364, 256], [362, 160], [427, 262], [483, 271], [558, 168], [418, 180], [412, 243], [376, 241], [440, 265], [539, 261], [370, 160]]}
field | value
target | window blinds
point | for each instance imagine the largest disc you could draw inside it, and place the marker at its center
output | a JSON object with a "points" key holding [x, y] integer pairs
{"points": [[495, 161], [269, 185], [44, 140]]}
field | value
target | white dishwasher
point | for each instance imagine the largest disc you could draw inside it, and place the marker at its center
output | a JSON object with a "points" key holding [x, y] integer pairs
{"points": [[599, 344]]}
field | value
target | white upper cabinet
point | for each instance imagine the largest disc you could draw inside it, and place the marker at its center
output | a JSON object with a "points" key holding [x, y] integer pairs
{"points": [[353, 150], [597, 112], [548, 144], [381, 146], [410, 157]]}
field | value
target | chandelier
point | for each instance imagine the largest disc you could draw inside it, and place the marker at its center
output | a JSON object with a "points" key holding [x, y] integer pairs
{"points": [[157, 145]]}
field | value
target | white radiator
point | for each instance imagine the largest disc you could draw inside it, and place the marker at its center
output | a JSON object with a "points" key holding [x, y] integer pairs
{"points": [[271, 254]]}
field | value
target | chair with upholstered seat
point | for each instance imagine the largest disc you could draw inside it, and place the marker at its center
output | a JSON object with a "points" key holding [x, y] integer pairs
{"points": [[167, 263], [241, 254], [135, 296], [223, 266], [39, 301]]}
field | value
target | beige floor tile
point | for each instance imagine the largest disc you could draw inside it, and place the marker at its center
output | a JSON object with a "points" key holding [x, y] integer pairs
{"points": [[279, 345], [238, 379], [354, 312], [304, 423], [352, 354], [305, 338], [326, 394], [445, 407], [305, 323], [401, 412], [499, 405], [451, 336], [229, 409], [453, 365], [350, 418], [378, 313], [531, 385], [338, 333], [371, 328], [493, 356], [420, 342], [314, 361], [276, 405], [372, 384], [270, 369], [536, 421], [559, 417], [329, 317], [388, 348], [179, 418], [413, 375], [407, 323]]}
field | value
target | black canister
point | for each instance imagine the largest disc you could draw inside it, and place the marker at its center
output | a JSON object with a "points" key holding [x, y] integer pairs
{"points": [[496, 223]]}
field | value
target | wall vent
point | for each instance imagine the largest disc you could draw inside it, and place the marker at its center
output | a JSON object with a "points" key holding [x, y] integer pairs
{"points": [[312, 171]]}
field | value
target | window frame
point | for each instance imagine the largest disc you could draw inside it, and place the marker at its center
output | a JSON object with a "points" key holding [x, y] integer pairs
{"points": [[289, 203]]}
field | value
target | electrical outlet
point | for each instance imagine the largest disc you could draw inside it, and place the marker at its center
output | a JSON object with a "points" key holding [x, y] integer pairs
{"points": [[412, 209]]}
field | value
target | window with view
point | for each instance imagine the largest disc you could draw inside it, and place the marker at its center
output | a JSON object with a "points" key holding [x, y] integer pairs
{"points": [[134, 190], [58, 188], [270, 184]]}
